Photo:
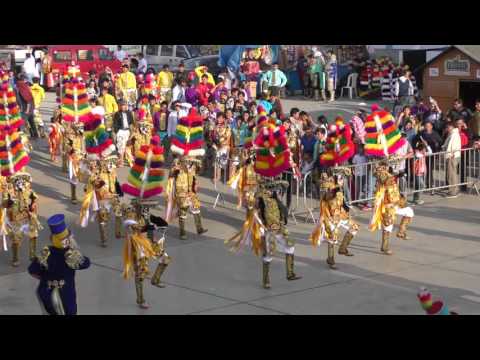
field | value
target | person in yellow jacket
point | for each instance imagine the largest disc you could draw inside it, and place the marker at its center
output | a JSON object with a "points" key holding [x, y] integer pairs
{"points": [[127, 86], [111, 107], [203, 70], [165, 83], [38, 94]]}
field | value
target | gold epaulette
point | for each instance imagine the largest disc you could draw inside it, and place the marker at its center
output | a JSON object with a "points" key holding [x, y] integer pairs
{"points": [[74, 259], [43, 258]]}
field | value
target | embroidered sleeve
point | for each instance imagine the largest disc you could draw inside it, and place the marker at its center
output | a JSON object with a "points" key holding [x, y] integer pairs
{"points": [[74, 259]]}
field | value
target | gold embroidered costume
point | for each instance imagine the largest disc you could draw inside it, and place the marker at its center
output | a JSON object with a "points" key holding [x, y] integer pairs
{"points": [[389, 203], [20, 214], [334, 215]]}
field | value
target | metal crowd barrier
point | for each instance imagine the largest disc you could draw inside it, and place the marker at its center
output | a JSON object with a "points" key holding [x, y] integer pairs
{"points": [[302, 196], [361, 185]]}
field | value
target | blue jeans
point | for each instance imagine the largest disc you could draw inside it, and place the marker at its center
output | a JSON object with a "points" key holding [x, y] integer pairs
{"points": [[419, 185]]}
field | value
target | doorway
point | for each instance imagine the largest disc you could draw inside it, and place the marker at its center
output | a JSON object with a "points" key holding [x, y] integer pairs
{"points": [[469, 92], [415, 59]]}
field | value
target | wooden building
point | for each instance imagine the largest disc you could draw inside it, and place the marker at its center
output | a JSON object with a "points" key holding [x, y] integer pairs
{"points": [[455, 73]]}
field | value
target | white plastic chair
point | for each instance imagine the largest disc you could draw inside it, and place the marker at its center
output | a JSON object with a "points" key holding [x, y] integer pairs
{"points": [[351, 85]]}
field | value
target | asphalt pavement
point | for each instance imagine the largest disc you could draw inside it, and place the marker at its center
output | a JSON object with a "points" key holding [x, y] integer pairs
{"points": [[205, 278]]}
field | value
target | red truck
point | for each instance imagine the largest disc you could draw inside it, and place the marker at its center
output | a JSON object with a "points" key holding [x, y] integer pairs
{"points": [[87, 57]]}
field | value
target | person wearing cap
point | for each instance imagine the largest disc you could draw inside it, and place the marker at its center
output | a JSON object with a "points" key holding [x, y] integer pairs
{"points": [[165, 83], [202, 70], [275, 79], [55, 267], [122, 123], [127, 86]]}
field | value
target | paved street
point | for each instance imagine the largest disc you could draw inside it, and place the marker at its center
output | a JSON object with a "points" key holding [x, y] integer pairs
{"points": [[205, 278]]}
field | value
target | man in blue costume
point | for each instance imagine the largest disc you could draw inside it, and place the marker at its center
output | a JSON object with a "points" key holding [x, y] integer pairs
{"points": [[56, 267]]}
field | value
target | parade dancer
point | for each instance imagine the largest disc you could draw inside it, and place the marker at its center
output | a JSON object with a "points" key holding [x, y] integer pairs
{"points": [[334, 215], [182, 189], [137, 249], [265, 226], [101, 187], [74, 151], [56, 267], [18, 214], [21, 205], [389, 203], [144, 183], [182, 192]]}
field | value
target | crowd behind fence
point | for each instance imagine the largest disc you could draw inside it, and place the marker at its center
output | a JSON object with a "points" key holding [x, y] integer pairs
{"points": [[302, 196]]}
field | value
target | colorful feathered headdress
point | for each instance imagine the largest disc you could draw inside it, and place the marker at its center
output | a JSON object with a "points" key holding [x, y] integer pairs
{"points": [[97, 141], [272, 154], [75, 106], [13, 157], [382, 135], [188, 138], [146, 175], [339, 147]]}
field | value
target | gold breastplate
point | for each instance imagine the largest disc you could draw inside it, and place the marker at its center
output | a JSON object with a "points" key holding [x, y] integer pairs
{"points": [[19, 210], [392, 193], [184, 183], [250, 176], [272, 214], [335, 205]]}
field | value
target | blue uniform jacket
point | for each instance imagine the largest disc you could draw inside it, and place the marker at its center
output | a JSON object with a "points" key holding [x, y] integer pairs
{"points": [[58, 269]]}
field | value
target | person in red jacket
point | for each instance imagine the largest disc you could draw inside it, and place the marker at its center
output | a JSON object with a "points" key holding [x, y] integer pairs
{"points": [[466, 139], [205, 90]]}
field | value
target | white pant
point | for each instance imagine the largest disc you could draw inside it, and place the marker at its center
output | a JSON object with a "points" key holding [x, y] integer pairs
{"points": [[406, 211], [281, 245], [122, 138]]}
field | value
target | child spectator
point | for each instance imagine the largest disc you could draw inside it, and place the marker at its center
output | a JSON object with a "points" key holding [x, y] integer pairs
{"points": [[420, 168], [358, 128]]}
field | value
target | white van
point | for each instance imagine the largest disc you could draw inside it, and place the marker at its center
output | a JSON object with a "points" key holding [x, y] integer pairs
{"points": [[159, 55]]}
